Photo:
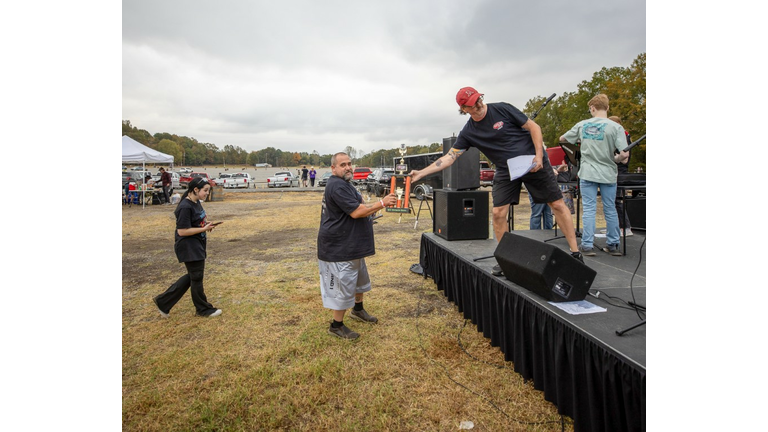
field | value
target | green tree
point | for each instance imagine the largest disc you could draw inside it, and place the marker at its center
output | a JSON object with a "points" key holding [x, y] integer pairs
{"points": [[172, 148]]}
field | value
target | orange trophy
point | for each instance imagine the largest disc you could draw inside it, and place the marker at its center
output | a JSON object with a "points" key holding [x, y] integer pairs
{"points": [[403, 195]]}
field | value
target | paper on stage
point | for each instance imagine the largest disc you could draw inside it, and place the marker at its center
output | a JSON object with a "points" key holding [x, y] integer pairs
{"points": [[519, 166], [578, 307]]}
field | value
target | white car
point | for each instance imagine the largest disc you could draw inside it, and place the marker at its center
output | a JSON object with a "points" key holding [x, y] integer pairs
{"points": [[185, 170], [237, 180], [283, 178], [222, 176]]}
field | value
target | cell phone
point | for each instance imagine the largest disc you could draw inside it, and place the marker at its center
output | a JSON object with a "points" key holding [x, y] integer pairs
{"points": [[217, 223]]}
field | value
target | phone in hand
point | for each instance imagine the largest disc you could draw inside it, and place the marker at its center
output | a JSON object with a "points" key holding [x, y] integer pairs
{"points": [[217, 223]]}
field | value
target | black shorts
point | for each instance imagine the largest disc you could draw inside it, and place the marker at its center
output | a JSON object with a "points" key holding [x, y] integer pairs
{"points": [[542, 185]]}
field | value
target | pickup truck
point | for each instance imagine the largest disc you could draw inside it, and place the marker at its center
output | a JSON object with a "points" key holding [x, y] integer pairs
{"points": [[185, 179], [283, 178], [237, 180], [486, 173]]}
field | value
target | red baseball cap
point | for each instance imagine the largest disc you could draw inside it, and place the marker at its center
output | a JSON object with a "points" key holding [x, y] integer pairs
{"points": [[467, 96]]}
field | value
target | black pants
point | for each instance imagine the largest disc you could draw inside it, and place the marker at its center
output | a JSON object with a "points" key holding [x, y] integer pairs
{"points": [[193, 279], [312, 182], [167, 193]]}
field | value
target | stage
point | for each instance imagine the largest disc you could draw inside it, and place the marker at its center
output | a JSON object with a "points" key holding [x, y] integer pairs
{"points": [[583, 367]]}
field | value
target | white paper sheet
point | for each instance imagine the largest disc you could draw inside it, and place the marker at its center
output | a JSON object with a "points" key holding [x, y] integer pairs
{"points": [[519, 165], [578, 307]]}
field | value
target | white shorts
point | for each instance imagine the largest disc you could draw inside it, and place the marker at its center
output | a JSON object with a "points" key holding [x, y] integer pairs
{"points": [[340, 281]]}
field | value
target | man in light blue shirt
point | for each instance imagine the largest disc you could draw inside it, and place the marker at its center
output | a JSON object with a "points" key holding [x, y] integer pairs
{"points": [[602, 141]]}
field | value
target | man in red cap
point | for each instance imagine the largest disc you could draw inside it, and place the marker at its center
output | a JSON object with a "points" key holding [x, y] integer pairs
{"points": [[502, 132]]}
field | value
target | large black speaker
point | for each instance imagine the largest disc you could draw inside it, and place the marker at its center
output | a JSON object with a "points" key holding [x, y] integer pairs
{"points": [[460, 215], [544, 269], [635, 208], [464, 174]]}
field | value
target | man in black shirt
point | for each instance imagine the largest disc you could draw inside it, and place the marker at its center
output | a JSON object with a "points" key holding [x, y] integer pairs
{"points": [[503, 132], [344, 240]]}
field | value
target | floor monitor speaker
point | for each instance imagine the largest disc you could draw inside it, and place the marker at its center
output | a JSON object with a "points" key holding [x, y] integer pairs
{"points": [[543, 268], [464, 174], [460, 215]]}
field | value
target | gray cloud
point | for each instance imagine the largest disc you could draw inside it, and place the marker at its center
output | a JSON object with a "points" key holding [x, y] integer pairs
{"points": [[307, 75]]}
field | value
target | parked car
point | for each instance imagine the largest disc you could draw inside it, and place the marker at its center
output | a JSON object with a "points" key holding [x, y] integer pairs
{"points": [[222, 176], [175, 177], [282, 179], [486, 173], [324, 179], [237, 180], [379, 181], [184, 180], [360, 174], [185, 170]]}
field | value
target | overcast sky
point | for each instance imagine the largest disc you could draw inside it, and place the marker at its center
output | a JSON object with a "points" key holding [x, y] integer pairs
{"points": [[322, 75]]}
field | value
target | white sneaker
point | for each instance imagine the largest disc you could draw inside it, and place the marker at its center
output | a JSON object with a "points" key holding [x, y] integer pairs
{"points": [[629, 232], [217, 313]]}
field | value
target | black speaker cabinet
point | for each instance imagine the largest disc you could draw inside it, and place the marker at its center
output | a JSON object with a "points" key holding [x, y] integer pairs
{"points": [[544, 269], [464, 174], [635, 208], [460, 215]]}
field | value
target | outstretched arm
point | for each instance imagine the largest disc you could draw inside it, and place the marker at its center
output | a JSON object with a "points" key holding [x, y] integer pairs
{"points": [[444, 162]]}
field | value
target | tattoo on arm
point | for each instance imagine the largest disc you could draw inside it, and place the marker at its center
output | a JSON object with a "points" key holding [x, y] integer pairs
{"points": [[454, 153], [438, 163]]}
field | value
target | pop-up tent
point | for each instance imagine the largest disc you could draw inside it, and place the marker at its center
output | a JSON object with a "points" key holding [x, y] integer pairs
{"points": [[135, 152]]}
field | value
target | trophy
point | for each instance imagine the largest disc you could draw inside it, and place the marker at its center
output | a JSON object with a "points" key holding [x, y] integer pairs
{"points": [[402, 206]]}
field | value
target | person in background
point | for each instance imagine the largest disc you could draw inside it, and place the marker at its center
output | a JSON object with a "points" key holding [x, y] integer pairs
{"points": [[600, 139], [304, 172], [344, 240], [192, 227], [167, 183], [623, 168], [312, 175]]}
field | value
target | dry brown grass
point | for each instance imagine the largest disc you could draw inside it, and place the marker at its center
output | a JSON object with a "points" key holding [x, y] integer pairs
{"points": [[267, 363]]}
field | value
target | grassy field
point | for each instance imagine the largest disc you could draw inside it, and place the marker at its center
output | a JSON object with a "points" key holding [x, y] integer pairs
{"points": [[268, 363]]}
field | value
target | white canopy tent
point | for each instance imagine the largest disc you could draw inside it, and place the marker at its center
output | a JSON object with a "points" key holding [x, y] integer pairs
{"points": [[135, 152]]}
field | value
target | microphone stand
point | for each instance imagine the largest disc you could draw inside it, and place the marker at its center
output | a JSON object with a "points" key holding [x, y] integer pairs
{"points": [[533, 116]]}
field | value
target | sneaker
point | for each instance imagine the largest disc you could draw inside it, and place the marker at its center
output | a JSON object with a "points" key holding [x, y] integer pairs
{"points": [[629, 233], [496, 271], [587, 251], [217, 312], [578, 256], [362, 315], [163, 314], [612, 249], [343, 332]]}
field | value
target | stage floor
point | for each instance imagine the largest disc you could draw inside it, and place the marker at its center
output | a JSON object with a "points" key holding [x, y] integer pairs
{"points": [[614, 276], [592, 374]]}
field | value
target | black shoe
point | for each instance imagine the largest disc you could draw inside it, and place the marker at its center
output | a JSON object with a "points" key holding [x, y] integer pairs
{"points": [[496, 271], [578, 256], [362, 315], [343, 332]]}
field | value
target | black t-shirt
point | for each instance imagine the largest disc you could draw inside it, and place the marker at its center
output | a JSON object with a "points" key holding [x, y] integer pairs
{"points": [[341, 237], [499, 135], [623, 168], [304, 172], [190, 215]]}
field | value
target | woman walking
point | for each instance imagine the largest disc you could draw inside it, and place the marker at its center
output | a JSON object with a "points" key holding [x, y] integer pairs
{"points": [[191, 229]]}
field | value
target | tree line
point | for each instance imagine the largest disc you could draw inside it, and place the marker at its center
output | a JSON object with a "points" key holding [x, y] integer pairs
{"points": [[625, 88]]}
